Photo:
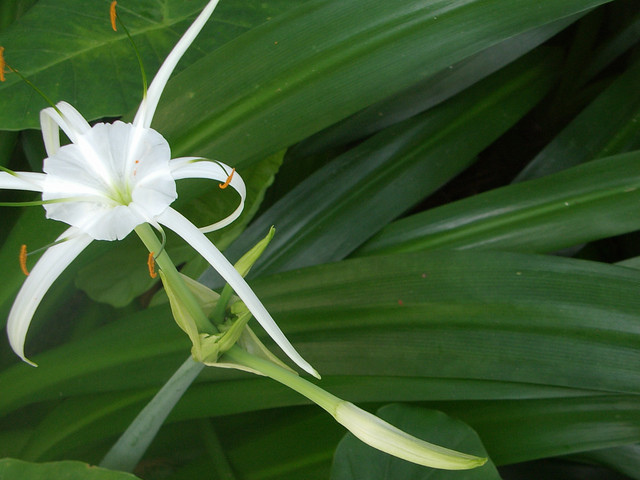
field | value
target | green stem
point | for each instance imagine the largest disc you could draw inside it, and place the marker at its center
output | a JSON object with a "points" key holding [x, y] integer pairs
{"points": [[150, 240], [286, 377], [126, 453]]}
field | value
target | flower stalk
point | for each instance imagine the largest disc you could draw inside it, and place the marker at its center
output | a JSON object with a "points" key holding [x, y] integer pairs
{"points": [[172, 277], [367, 427]]}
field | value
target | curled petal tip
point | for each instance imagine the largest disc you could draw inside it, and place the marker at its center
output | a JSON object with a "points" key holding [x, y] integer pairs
{"points": [[26, 360]]}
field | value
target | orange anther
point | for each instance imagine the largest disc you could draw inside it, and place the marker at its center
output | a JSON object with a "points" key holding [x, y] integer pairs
{"points": [[228, 181], [113, 15], [151, 263], [23, 260], [2, 64]]}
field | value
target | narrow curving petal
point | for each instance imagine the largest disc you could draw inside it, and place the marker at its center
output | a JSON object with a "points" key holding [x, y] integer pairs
{"points": [[50, 131], [46, 271], [67, 118], [22, 181], [194, 167], [183, 227], [150, 102]]}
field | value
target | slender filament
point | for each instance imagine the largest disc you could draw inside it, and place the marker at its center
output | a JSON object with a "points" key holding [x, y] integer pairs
{"points": [[3, 65], [113, 16]]}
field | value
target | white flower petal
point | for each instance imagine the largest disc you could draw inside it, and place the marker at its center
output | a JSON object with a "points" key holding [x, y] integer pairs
{"points": [[193, 167], [190, 233], [22, 181], [385, 437], [46, 271], [50, 131], [68, 119], [120, 172], [150, 102]]}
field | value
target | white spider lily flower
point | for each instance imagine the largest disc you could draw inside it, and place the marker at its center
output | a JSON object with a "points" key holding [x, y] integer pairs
{"points": [[112, 178]]}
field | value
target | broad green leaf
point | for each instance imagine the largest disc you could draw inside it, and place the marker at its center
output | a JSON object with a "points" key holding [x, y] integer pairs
{"points": [[117, 286], [609, 125], [151, 334], [11, 10], [327, 60], [355, 460], [7, 144], [12, 469], [625, 459], [563, 468], [526, 429], [33, 230], [440, 312], [61, 426], [429, 92], [341, 205], [622, 38], [387, 328], [584, 203], [94, 68]]}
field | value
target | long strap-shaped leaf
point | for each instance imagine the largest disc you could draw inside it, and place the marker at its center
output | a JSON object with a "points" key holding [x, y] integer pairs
{"points": [[588, 202], [326, 60], [461, 318]]}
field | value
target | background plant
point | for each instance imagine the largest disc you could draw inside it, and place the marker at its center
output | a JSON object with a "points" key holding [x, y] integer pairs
{"points": [[423, 162]]}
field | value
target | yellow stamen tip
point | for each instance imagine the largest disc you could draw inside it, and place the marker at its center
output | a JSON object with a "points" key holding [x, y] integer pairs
{"points": [[2, 64], [113, 15], [151, 263], [226, 184], [23, 260]]}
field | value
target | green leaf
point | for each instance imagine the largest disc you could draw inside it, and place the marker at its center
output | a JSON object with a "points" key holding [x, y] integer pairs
{"points": [[625, 459], [541, 215], [429, 92], [354, 53], [7, 144], [596, 132], [527, 429], [11, 10], [12, 469], [150, 334], [33, 230], [94, 68], [387, 328], [116, 286], [355, 460], [338, 207]]}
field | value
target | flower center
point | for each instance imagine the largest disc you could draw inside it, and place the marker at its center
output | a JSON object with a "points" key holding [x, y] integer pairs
{"points": [[113, 178]]}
